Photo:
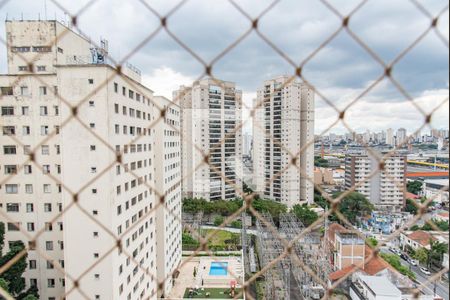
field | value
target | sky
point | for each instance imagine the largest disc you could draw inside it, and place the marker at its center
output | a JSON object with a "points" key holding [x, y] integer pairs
{"points": [[340, 71]]}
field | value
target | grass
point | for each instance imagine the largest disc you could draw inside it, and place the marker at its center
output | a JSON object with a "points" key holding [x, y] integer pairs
{"points": [[214, 294], [220, 237]]}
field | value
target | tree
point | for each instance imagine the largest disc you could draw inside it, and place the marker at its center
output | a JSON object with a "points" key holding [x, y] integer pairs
{"points": [[218, 221], [411, 207], [421, 255], [372, 242], [320, 162], [2, 237], [14, 273], [436, 254], [414, 187], [355, 205], [305, 214], [236, 224], [247, 190]]}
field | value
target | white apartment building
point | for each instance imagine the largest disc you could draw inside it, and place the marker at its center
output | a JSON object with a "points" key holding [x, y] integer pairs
{"points": [[95, 182], [283, 134], [385, 189], [211, 116], [168, 214]]}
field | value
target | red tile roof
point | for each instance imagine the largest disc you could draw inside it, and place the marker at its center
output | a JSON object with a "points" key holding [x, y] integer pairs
{"points": [[412, 196], [372, 266], [421, 237]]}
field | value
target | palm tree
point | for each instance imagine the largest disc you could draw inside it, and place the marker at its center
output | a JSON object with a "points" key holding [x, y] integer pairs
{"points": [[436, 253]]}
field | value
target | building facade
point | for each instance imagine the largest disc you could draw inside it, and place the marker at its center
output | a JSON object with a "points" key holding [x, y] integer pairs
{"points": [[384, 188], [211, 116], [81, 172], [283, 139]]}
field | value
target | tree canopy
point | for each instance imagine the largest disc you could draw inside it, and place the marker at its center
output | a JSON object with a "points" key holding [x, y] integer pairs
{"points": [[12, 279], [354, 205], [305, 214], [414, 187]]}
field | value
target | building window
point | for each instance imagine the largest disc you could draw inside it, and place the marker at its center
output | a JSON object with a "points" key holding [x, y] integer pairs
{"points": [[50, 281], [9, 150], [23, 68], [47, 207], [7, 111], [47, 189], [116, 87], [42, 49], [41, 68], [28, 190], [44, 130], [13, 226], [10, 169], [12, 188], [26, 130], [91, 103], [45, 149], [30, 227], [91, 81], [46, 169], [27, 150], [25, 110], [92, 125], [32, 264], [24, 91], [9, 130], [43, 111], [20, 49], [12, 207], [60, 50], [56, 108], [30, 207], [6, 91], [28, 169], [43, 90]]}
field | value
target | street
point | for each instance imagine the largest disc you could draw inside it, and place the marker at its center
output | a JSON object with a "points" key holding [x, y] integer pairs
{"points": [[442, 288]]}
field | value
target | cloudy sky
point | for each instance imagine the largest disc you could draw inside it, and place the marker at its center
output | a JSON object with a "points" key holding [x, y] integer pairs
{"points": [[340, 71]]}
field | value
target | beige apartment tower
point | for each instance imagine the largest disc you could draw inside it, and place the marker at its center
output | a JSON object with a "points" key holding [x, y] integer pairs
{"points": [[384, 188], [283, 134], [99, 173], [211, 115]]}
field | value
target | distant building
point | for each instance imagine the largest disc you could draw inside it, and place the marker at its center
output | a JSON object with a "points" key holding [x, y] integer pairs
{"points": [[247, 144], [386, 188], [421, 239], [211, 115], [283, 137], [390, 137], [402, 136], [436, 189], [374, 288]]}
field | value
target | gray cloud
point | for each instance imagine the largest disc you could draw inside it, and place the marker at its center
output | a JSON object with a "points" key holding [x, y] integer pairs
{"points": [[340, 71]]}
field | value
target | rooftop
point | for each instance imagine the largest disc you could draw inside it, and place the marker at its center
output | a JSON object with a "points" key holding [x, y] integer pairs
{"points": [[381, 286]]}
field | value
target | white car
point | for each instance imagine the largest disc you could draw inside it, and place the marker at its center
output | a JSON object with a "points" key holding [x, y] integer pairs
{"points": [[425, 271], [413, 262]]}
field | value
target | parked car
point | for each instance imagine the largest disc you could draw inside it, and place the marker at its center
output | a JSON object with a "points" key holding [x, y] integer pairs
{"points": [[404, 256], [413, 262], [425, 271]]}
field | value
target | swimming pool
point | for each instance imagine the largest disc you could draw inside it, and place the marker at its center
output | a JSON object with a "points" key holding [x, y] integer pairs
{"points": [[218, 269]]}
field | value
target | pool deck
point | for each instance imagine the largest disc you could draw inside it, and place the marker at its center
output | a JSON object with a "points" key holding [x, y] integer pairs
{"points": [[202, 265], [235, 273]]}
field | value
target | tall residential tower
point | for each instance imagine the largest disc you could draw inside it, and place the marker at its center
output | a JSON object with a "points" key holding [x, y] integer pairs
{"points": [[283, 138], [211, 116]]}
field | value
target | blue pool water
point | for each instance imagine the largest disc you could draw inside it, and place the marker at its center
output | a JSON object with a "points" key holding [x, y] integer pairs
{"points": [[218, 269]]}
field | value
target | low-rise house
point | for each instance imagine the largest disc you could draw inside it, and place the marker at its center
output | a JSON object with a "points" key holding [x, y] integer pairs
{"points": [[421, 239]]}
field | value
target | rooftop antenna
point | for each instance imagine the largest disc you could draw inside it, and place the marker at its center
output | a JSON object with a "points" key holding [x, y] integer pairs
{"points": [[45, 9]]}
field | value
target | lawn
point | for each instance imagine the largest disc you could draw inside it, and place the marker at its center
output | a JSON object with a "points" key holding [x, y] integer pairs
{"points": [[214, 294], [220, 238]]}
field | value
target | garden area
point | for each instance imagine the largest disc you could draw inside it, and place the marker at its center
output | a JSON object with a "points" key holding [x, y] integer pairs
{"points": [[220, 240], [216, 293]]}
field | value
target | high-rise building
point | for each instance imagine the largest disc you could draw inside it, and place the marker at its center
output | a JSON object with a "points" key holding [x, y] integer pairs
{"points": [[248, 140], [390, 140], [211, 116], [283, 137], [386, 188], [402, 137], [84, 169]]}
